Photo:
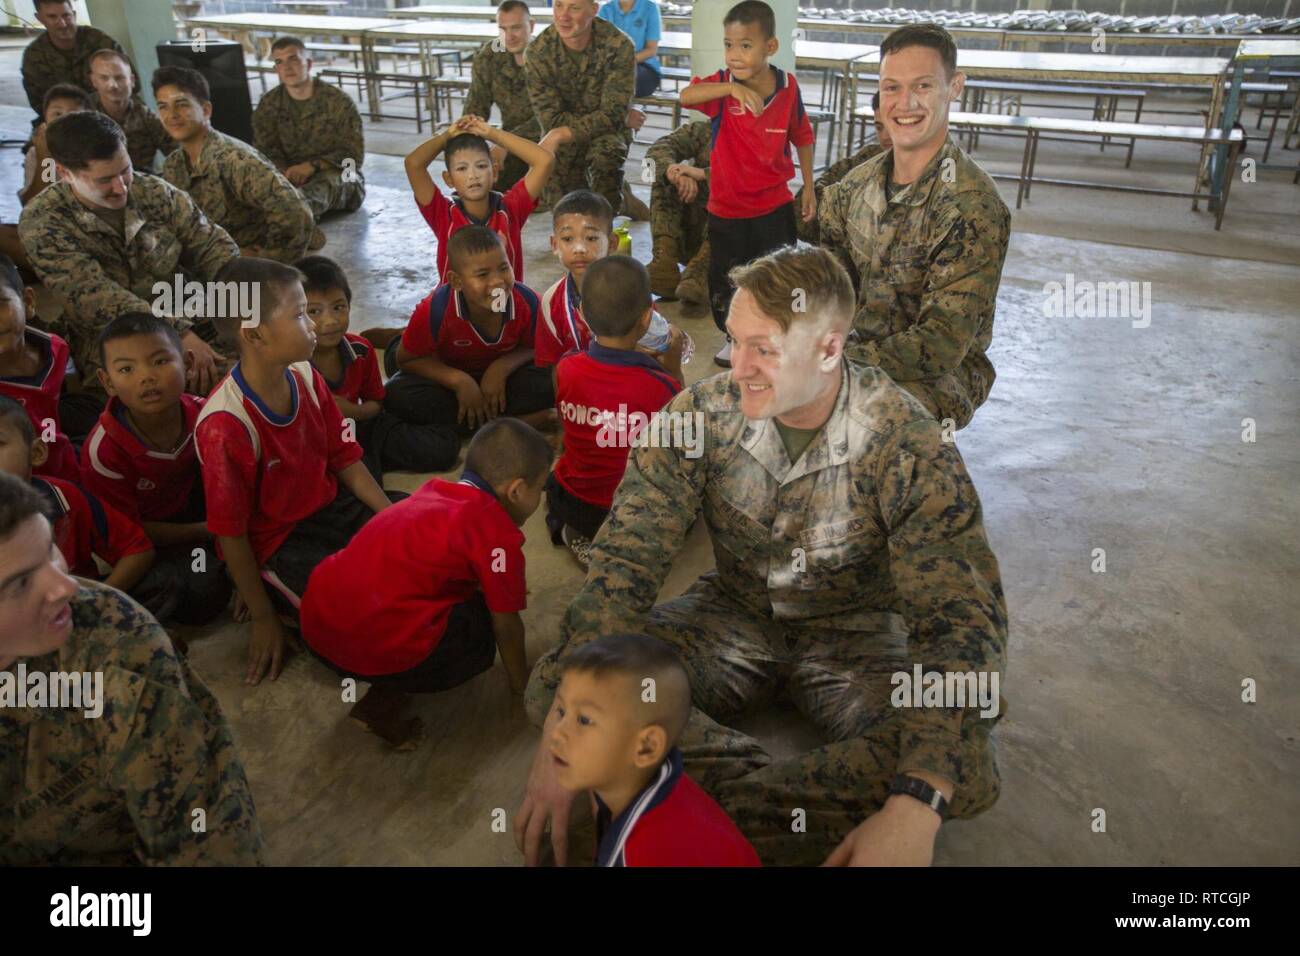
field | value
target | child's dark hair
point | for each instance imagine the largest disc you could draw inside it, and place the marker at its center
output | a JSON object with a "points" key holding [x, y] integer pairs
{"points": [[923, 34], [584, 202], [138, 323], [471, 241], [76, 140], [505, 449], [615, 294], [9, 275], [639, 656], [66, 91], [461, 143], [12, 413], [321, 273], [753, 13], [184, 79], [18, 502], [273, 279]]}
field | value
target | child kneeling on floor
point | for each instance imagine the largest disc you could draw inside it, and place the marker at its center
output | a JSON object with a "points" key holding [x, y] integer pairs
{"points": [[428, 591]]}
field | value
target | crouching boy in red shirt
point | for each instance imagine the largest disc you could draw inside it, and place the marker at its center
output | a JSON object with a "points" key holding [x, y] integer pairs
{"points": [[428, 591]]}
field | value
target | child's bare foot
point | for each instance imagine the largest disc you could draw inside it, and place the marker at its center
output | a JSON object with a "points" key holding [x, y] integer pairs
{"points": [[381, 712]]}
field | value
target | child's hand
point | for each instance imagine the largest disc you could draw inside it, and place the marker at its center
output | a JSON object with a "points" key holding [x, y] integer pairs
{"points": [[687, 189], [475, 125], [493, 387], [809, 204], [749, 99], [635, 118], [473, 406], [265, 649], [460, 125]]}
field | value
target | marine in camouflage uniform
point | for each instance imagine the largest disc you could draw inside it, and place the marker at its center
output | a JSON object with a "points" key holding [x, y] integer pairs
{"points": [[590, 92], [928, 264], [498, 79], [324, 130], [866, 555], [238, 189], [103, 272], [145, 133], [678, 230], [122, 788], [44, 64], [809, 231]]}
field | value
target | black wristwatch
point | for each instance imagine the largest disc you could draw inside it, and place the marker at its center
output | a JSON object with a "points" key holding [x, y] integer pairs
{"points": [[920, 790]]}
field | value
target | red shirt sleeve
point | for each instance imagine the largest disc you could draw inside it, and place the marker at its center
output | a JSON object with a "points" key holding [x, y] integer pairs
{"points": [[372, 383], [229, 473], [500, 568], [343, 451], [437, 213], [710, 108], [801, 131], [546, 349], [110, 457], [532, 317], [418, 338], [121, 537], [518, 203]]}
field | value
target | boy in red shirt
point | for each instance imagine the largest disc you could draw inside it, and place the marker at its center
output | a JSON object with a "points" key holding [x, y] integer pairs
{"points": [[32, 367], [140, 459], [582, 231], [350, 368], [470, 174], [757, 114], [466, 356], [274, 451], [605, 736], [606, 396], [426, 593], [84, 527]]}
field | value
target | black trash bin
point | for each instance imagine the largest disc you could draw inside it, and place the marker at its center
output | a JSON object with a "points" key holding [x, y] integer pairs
{"points": [[222, 64]]}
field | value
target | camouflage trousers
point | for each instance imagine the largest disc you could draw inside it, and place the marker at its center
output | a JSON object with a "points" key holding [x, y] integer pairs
{"points": [[686, 222], [838, 680], [596, 165], [328, 191]]}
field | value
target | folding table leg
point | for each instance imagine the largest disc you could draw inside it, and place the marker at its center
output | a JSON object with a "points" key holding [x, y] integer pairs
{"points": [[1033, 161], [1024, 168], [1227, 185]]}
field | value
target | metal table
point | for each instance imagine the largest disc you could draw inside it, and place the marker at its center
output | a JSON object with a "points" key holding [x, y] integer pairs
{"points": [[1268, 54], [243, 25]]}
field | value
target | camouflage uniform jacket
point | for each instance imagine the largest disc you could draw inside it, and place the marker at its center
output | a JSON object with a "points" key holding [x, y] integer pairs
{"points": [[122, 787], [876, 528], [498, 79], [239, 190], [809, 231], [326, 126], [929, 263], [691, 141], [102, 273], [44, 64], [145, 133], [589, 92]]}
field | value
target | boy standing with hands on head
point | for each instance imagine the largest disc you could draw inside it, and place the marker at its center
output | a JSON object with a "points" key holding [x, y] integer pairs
{"points": [[757, 113], [274, 450]]}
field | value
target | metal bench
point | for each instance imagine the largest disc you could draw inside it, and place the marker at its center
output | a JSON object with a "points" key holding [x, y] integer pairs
{"points": [[1032, 129], [1104, 107], [408, 84]]}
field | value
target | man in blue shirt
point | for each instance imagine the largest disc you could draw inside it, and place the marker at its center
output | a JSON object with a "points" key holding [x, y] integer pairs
{"points": [[639, 19]]}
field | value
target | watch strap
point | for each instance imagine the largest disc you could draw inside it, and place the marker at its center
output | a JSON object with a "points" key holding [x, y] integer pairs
{"points": [[918, 789]]}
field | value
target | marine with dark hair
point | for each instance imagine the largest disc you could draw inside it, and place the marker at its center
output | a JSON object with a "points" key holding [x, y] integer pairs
{"points": [[125, 777], [236, 186], [103, 240], [311, 130]]}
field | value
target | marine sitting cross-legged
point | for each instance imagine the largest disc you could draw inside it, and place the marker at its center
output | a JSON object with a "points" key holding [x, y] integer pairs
{"points": [[850, 547]]}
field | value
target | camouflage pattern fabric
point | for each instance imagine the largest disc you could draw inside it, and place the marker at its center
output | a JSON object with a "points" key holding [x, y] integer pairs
{"points": [[809, 231], [861, 559], [669, 216], [238, 189], [102, 271], [145, 133], [589, 92], [45, 65], [123, 787], [928, 264], [326, 127]]}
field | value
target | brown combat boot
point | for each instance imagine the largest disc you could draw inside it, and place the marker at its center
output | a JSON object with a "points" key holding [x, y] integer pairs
{"points": [[693, 288], [664, 274], [633, 207]]}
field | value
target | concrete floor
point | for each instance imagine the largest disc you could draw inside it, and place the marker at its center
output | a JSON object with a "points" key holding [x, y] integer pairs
{"points": [[1124, 687]]}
